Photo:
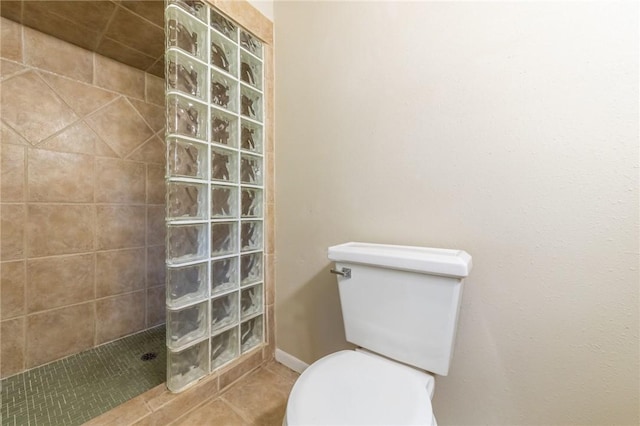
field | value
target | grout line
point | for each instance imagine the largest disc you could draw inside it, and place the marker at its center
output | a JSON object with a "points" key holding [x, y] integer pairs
{"points": [[235, 409]]}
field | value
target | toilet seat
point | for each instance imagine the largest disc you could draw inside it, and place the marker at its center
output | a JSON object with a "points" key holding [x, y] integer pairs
{"points": [[355, 388]]}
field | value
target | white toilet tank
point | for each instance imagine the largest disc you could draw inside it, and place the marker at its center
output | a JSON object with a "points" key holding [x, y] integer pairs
{"points": [[402, 302]]}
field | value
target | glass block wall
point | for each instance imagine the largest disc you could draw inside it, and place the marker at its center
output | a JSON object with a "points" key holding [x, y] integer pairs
{"points": [[215, 191]]}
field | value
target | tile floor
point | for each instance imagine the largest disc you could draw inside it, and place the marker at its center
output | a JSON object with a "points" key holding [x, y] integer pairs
{"points": [[257, 399], [80, 387], [260, 398]]}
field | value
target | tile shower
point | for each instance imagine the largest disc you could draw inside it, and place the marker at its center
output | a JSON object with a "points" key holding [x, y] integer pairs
{"points": [[82, 199], [82, 244]]}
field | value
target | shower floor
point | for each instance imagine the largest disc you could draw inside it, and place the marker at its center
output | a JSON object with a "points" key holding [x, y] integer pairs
{"points": [[78, 388]]}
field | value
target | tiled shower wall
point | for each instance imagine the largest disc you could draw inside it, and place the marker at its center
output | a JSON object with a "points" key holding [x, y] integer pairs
{"points": [[82, 174]]}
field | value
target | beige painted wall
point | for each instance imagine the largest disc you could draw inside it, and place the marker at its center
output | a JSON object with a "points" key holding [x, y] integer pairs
{"points": [[509, 130]]}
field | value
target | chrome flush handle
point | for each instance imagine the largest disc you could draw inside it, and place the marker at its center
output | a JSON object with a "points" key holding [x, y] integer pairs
{"points": [[345, 272]]}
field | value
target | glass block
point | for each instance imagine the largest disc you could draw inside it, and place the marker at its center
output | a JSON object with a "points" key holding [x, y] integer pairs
{"points": [[250, 43], [224, 275], [251, 103], [251, 301], [196, 8], [223, 238], [250, 268], [224, 311], [223, 165], [250, 136], [186, 325], [251, 235], [224, 347], [224, 54], [186, 201], [250, 70], [187, 366], [251, 169], [186, 33], [223, 25], [224, 202], [186, 242], [224, 128], [224, 91], [251, 202], [186, 117], [186, 75], [186, 159], [251, 333], [186, 284]]}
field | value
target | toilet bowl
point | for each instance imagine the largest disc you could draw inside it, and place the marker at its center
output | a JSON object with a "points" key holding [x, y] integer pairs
{"points": [[400, 304], [360, 388]]}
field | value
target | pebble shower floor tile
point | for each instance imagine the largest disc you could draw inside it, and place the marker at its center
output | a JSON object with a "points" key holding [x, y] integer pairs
{"points": [[76, 389]]}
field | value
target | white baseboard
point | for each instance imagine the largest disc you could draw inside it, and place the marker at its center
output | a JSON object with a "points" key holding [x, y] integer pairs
{"points": [[290, 361]]}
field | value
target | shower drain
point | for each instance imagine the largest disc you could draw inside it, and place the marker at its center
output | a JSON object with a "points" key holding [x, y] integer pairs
{"points": [[149, 356]]}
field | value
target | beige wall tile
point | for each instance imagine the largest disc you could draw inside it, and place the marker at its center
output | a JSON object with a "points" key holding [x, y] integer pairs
{"points": [[62, 177], [124, 54], [54, 334], [148, 10], [55, 55], [120, 227], [120, 271], [119, 316], [77, 138], [271, 325], [12, 283], [138, 33], [119, 181], [120, 126], [11, 9], [12, 223], [43, 106], [82, 98], [61, 19], [59, 281], [156, 188], [154, 89], [10, 40], [156, 311], [104, 150], [31, 108], [157, 69], [12, 351], [269, 232], [59, 229], [8, 135], [118, 77], [248, 16], [152, 151], [156, 266], [270, 278], [8, 68], [12, 175], [154, 115], [156, 230]]}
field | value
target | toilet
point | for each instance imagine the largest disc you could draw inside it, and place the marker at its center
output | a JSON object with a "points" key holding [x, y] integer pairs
{"points": [[400, 306]]}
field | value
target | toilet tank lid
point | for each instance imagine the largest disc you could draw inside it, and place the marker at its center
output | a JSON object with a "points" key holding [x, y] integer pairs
{"points": [[434, 261]]}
